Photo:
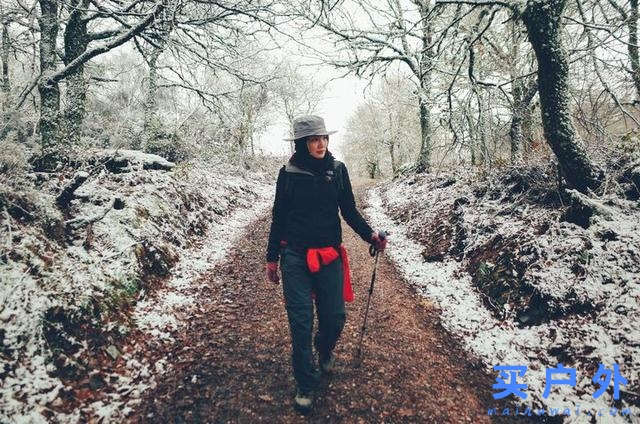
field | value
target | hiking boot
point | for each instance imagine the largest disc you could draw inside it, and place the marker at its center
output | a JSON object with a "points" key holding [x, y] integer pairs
{"points": [[328, 364], [303, 402]]}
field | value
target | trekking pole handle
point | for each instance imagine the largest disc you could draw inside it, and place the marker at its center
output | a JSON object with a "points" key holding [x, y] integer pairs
{"points": [[383, 235]]}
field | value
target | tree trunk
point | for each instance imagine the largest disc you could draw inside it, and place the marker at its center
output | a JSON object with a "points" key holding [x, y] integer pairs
{"points": [[373, 168], [527, 127], [49, 90], [472, 136], [425, 70], [517, 137], [632, 24], [6, 87], [248, 134], [75, 43], [485, 157], [515, 132], [522, 97], [424, 158], [392, 153], [290, 118], [151, 124], [542, 19], [478, 132]]}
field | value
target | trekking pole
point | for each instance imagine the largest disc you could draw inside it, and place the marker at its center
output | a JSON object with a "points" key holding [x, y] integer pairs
{"points": [[373, 252]]}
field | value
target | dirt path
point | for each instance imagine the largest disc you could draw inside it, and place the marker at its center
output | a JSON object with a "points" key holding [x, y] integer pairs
{"points": [[232, 362]]}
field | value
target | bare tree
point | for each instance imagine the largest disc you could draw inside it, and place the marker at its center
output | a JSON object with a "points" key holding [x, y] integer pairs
{"points": [[606, 30], [399, 124], [47, 87], [151, 53], [628, 13], [523, 86], [381, 132], [139, 16], [378, 35], [196, 44], [19, 61], [5, 84], [296, 94], [76, 41], [252, 103], [4, 55], [543, 20]]}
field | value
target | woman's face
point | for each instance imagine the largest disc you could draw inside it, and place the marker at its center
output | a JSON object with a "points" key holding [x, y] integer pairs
{"points": [[317, 145]]}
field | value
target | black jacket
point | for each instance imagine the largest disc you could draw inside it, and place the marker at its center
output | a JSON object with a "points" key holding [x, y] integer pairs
{"points": [[305, 209]]}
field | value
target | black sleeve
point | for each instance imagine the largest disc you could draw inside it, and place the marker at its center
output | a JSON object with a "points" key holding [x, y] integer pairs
{"points": [[278, 219], [350, 212]]}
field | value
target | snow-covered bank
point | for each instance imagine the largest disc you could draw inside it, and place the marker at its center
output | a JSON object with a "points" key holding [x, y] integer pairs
{"points": [[172, 304], [71, 271], [583, 308]]}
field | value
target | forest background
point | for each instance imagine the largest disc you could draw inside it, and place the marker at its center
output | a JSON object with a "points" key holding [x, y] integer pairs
{"points": [[521, 115]]}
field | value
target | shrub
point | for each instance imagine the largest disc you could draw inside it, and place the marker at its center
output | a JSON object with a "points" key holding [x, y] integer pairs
{"points": [[14, 157]]}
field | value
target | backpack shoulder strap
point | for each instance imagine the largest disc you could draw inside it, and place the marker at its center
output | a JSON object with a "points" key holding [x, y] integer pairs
{"points": [[287, 185], [337, 169], [293, 169], [289, 167]]}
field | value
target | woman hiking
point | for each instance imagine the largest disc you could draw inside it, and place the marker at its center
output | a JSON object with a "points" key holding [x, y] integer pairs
{"points": [[307, 237]]}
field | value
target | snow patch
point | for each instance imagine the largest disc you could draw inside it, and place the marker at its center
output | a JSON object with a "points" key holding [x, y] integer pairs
{"points": [[157, 233], [502, 342]]}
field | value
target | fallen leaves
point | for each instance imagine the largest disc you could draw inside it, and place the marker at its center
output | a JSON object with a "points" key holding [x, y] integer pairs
{"points": [[240, 351], [406, 412]]}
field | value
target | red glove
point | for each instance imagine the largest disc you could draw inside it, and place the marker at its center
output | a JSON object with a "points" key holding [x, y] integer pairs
{"points": [[378, 242], [272, 272]]}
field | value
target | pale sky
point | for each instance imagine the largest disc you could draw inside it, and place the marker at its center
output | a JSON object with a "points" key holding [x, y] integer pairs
{"points": [[341, 98]]}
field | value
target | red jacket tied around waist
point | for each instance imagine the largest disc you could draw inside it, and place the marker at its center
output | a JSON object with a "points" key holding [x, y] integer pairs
{"points": [[324, 256]]}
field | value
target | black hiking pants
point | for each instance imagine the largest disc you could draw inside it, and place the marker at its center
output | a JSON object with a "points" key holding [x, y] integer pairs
{"points": [[298, 283]]}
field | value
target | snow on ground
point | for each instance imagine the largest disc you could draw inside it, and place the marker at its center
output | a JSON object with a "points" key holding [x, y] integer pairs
{"points": [[608, 280], [61, 291], [160, 315]]}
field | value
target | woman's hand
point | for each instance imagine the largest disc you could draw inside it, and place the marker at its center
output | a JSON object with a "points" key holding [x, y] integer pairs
{"points": [[272, 272], [379, 240]]}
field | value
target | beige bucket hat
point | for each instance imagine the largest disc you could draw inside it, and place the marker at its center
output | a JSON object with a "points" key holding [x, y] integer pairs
{"points": [[304, 126]]}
